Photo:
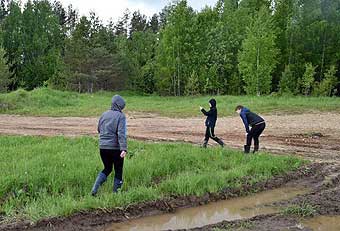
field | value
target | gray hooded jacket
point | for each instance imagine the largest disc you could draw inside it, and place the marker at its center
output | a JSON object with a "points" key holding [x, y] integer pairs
{"points": [[112, 126]]}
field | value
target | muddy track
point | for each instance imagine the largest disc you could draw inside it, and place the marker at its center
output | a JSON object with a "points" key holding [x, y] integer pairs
{"points": [[324, 197], [99, 219], [313, 136]]}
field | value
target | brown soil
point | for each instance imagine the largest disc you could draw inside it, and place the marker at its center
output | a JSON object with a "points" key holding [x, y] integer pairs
{"points": [[313, 136]]}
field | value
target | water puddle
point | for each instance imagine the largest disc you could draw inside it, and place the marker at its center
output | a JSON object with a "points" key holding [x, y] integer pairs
{"points": [[323, 223], [238, 208]]}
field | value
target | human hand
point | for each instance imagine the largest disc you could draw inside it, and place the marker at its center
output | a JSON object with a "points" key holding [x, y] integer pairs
{"points": [[201, 108], [123, 154]]}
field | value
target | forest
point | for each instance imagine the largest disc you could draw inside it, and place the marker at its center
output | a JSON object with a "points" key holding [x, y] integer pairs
{"points": [[236, 47]]}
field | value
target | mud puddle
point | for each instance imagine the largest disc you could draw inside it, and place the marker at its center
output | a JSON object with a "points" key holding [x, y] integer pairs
{"points": [[238, 208], [323, 223]]}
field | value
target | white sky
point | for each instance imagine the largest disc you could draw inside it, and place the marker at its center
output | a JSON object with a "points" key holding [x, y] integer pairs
{"points": [[114, 9]]}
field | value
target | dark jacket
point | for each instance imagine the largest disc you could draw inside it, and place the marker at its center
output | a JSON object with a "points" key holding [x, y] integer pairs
{"points": [[211, 114], [250, 118], [112, 126]]}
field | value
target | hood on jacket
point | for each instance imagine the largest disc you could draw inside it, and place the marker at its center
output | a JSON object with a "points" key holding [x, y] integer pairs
{"points": [[118, 103], [212, 102]]}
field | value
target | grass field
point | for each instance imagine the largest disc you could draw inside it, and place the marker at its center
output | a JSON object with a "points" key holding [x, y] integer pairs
{"points": [[47, 102], [44, 177]]}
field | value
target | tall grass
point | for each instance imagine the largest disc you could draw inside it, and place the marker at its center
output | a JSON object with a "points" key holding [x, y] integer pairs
{"points": [[49, 102], [43, 177]]}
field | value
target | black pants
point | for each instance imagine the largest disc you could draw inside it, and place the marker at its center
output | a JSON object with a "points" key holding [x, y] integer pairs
{"points": [[210, 133], [112, 158], [255, 133]]}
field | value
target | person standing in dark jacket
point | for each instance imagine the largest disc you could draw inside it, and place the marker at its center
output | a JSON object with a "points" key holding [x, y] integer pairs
{"points": [[257, 125], [210, 123], [112, 144]]}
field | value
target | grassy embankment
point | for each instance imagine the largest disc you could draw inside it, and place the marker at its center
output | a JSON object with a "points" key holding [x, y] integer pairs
{"points": [[47, 102], [45, 177]]}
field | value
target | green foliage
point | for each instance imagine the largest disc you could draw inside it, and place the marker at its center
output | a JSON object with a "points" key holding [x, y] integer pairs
{"points": [[303, 210], [257, 59], [235, 47], [327, 86], [39, 178], [4, 73], [287, 83], [308, 79], [33, 51], [193, 84], [48, 102], [175, 47]]}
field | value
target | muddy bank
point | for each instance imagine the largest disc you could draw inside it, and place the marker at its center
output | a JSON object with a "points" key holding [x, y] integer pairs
{"points": [[99, 219], [214, 212], [324, 198], [271, 222]]}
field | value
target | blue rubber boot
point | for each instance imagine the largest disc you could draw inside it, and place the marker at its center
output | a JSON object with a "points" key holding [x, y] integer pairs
{"points": [[101, 178], [117, 184]]}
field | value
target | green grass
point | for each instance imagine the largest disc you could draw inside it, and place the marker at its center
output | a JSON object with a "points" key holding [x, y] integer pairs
{"points": [[45, 177], [303, 210], [47, 102]]}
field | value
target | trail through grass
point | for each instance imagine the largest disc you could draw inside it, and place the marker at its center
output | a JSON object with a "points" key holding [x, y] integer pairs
{"points": [[45, 177], [47, 102]]}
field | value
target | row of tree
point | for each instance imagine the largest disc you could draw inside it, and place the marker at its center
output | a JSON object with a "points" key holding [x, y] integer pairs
{"points": [[236, 47]]}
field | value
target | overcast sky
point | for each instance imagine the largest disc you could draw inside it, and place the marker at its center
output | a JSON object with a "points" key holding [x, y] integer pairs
{"points": [[114, 9]]}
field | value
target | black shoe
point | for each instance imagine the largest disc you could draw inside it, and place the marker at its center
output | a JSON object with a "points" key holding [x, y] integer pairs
{"points": [[246, 149], [220, 142], [204, 145], [256, 148]]}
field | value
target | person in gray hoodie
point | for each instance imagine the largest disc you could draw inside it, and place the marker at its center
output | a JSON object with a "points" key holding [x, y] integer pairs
{"points": [[112, 144]]}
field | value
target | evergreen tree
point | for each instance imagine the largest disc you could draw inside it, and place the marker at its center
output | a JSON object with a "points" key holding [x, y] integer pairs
{"points": [[192, 87], [307, 79], [327, 86], [4, 73], [12, 42], [287, 83], [154, 23], [138, 22]]}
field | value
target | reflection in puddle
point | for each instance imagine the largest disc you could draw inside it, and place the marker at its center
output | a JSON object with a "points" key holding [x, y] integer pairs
{"points": [[323, 223], [238, 208]]}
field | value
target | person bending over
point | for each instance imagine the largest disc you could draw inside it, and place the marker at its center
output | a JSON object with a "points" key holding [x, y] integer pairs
{"points": [[257, 125]]}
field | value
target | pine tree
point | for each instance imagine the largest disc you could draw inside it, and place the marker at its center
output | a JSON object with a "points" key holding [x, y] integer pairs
{"points": [[4, 72], [154, 23], [287, 84], [192, 87], [307, 79], [327, 86], [12, 43]]}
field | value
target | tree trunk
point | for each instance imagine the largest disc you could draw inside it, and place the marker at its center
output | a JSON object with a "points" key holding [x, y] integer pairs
{"points": [[257, 71], [323, 54]]}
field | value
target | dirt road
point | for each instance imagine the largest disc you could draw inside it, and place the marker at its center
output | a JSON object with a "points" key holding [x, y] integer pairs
{"points": [[314, 136]]}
